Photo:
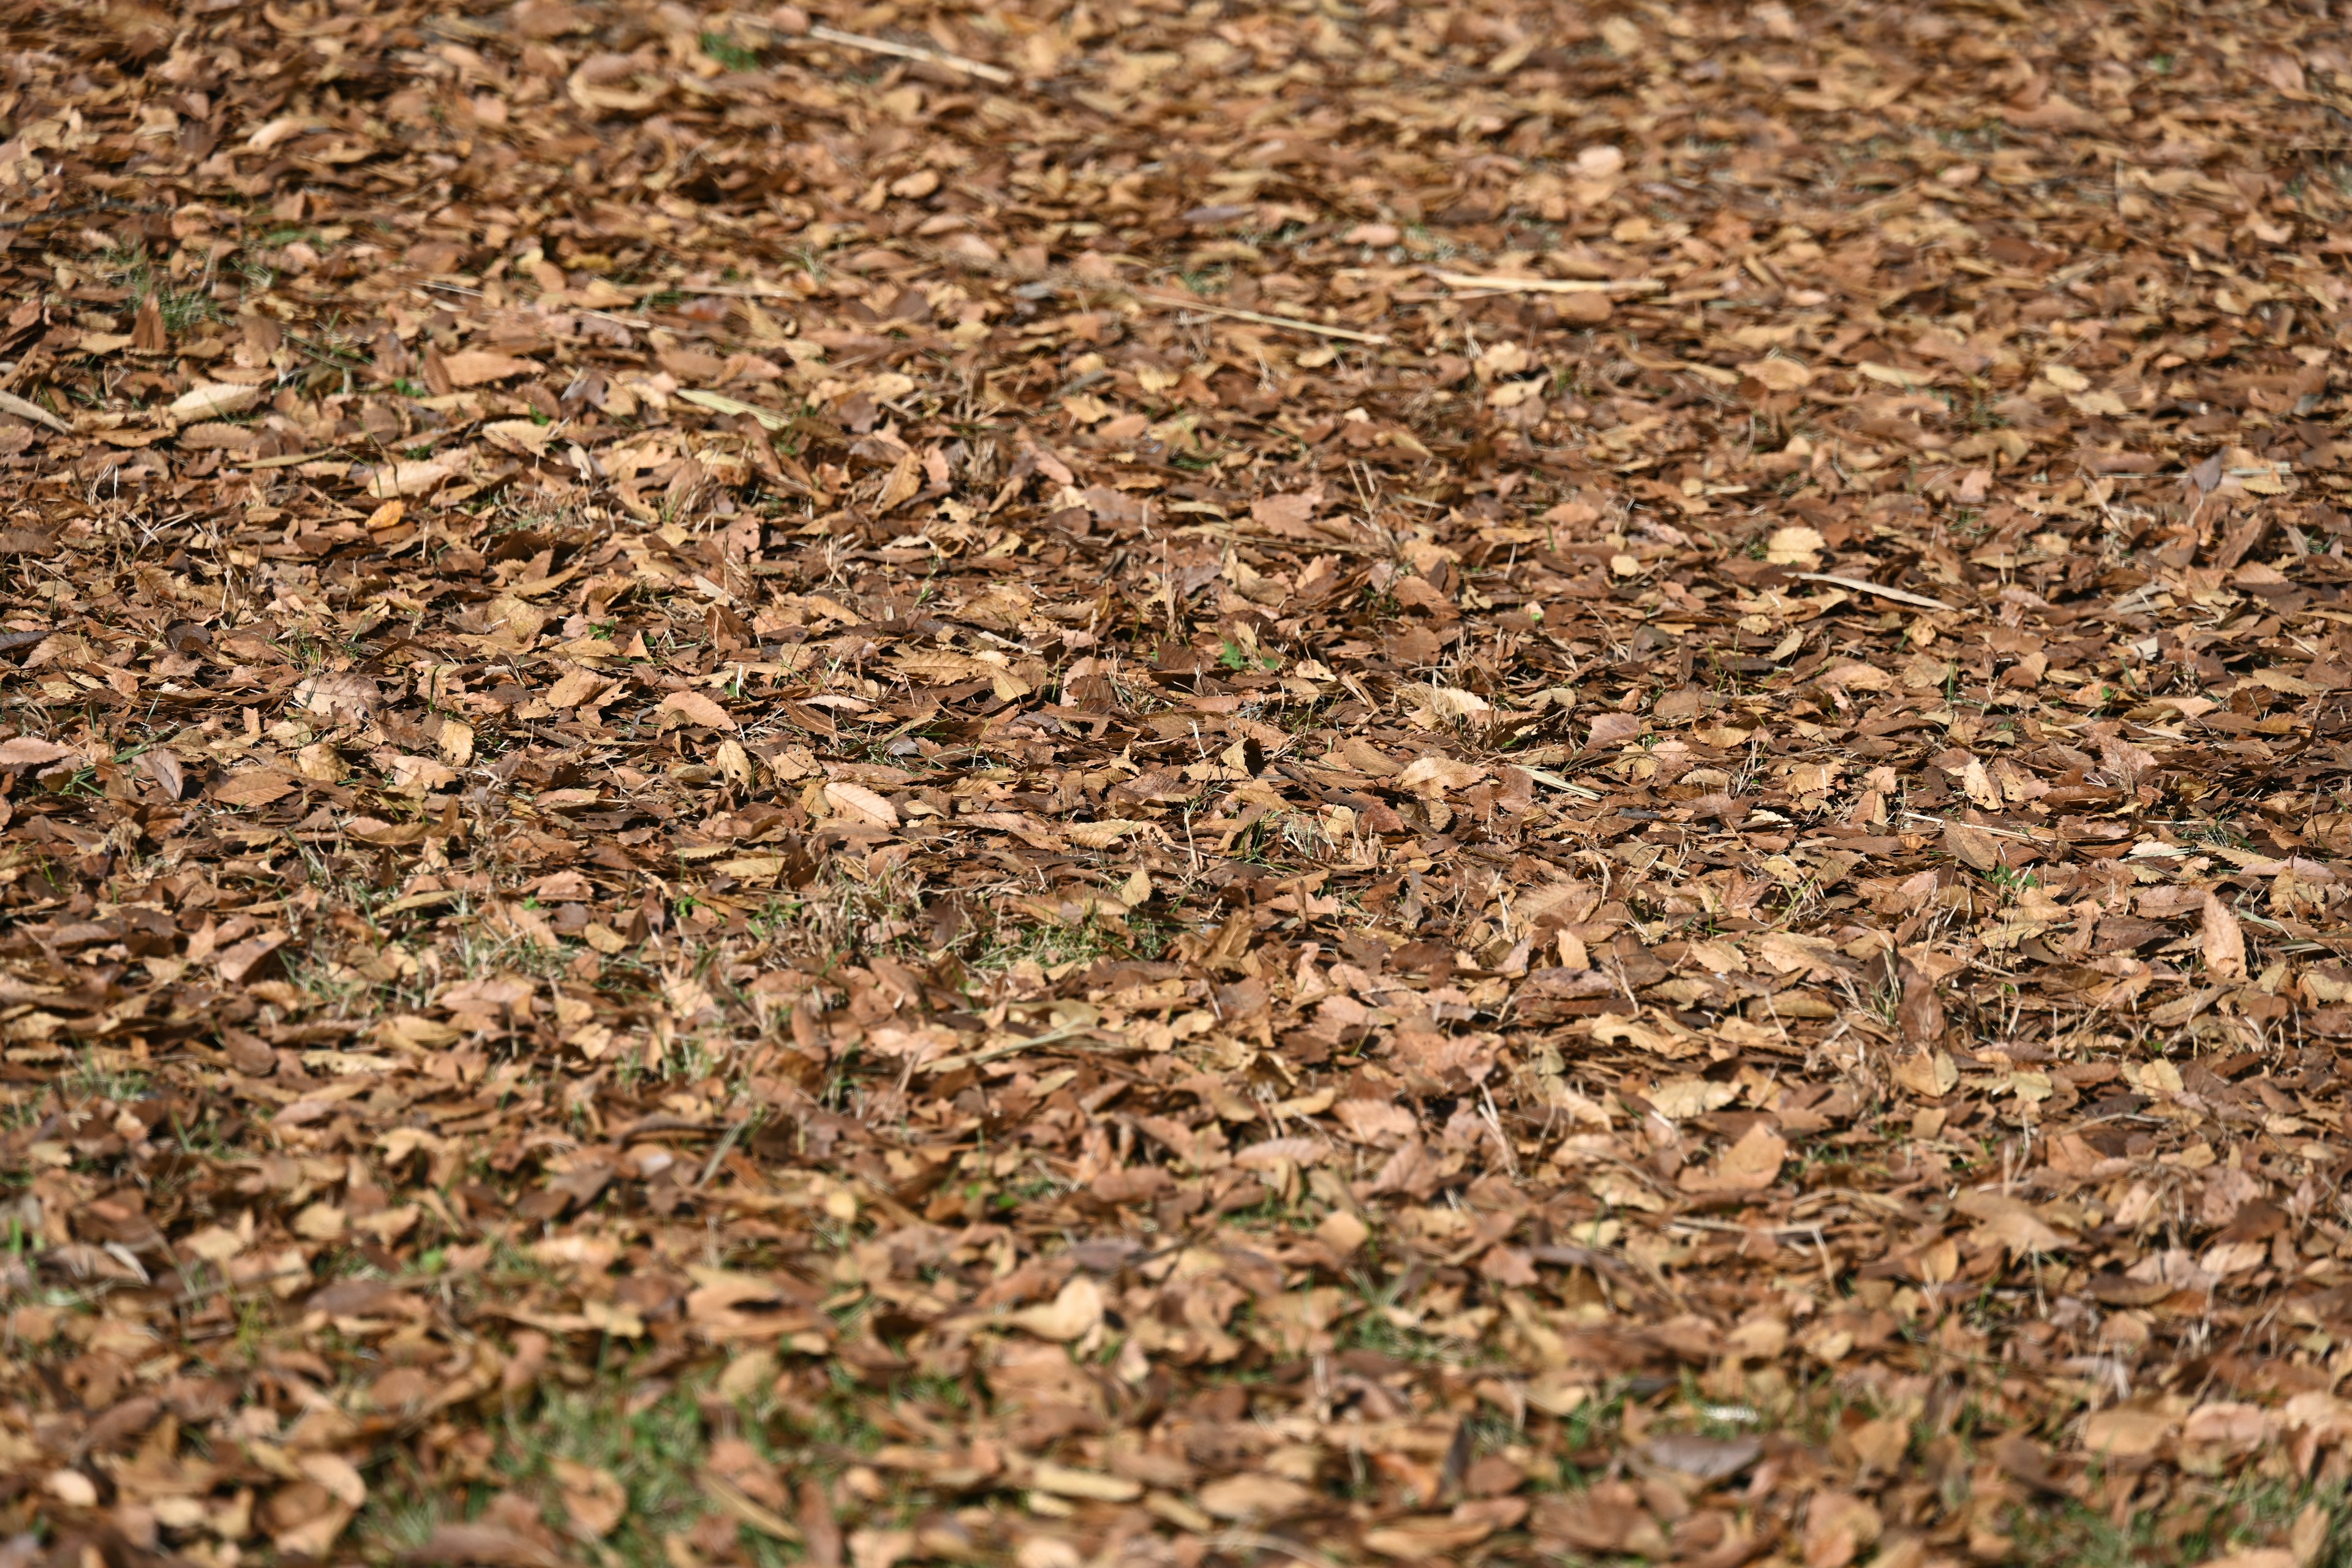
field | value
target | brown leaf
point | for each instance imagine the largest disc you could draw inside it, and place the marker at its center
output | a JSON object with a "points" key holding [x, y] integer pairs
{"points": [[1920, 1012], [1971, 846], [2221, 940], [254, 786], [485, 1546], [164, 768], [859, 804], [247, 960], [819, 1529], [1253, 1496], [1931, 1075], [696, 709], [593, 1500], [1750, 1165], [1706, 1460], [1072, 1314], [28, 752], [904, 480], [476, 368]]}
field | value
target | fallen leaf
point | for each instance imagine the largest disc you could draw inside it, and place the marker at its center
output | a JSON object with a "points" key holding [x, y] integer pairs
{"points": [[2222, 941], [1253, 1496], [1750, 1165], [1072, 1314], [694, 708], [1704, 1460]]}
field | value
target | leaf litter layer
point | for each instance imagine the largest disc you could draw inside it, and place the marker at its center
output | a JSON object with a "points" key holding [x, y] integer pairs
{"points": [[1351, 784]]}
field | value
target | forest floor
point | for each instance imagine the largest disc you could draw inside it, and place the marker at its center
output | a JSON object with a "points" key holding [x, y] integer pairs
{"points": [[1150, 784]]}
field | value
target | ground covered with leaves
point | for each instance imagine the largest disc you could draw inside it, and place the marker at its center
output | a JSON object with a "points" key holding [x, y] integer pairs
{"points": [[1147, 785]]}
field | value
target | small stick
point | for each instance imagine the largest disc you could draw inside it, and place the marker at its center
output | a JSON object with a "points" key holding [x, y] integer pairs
{"points": [[1550, 285], [1063, 280], [719, 1153], [25, 408], [1185, 302], [825, 35], [1900, 596]]}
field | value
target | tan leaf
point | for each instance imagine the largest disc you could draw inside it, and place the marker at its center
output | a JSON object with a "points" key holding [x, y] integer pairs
{"points": [[1412, 1540], [213, 437], [477, 367], [904, 482], [320, 1222], [2019, 1232], [1433, 776], [593, 1499], [2222, 941], [1749, 1166], [483, 1545], [576, 688], [339, 694], [338, 1474], [2127, 1432], [859, 803], [1254, 1495], [164, 768], [31, 752], [1838, 1525], [1103, 834], [1342, 1232], [1779, 375], [415, 479], [254, 786], [1971, 844], [695, 708], [1063, 1481], [1071, 1315], [1680, 1098], [214, 400], [1860, 676], [1931, 1075], [1920, 1013], [524, 438]]}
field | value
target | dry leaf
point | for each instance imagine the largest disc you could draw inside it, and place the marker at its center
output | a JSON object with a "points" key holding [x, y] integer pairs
{"points": [[1143, 762], [1072, 1314], [2222, 941], [1931, 1075], [480, 369], [694, 708], [859, 804], [1253, 1496], [1750, 1165], [593, 1500]]}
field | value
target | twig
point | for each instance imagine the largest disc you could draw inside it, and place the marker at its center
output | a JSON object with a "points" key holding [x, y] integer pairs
{"points": [[732, 1498], [104, 204], [711, 1167], [743, 291], [1012, 1048], [24, 408], [1553, 781], [720, 403], [576, 310], [1063, 280], [1229, 1538], [1548, 285], [1900, 596], [872, 46], [1186, 302], [1995, 832]]}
